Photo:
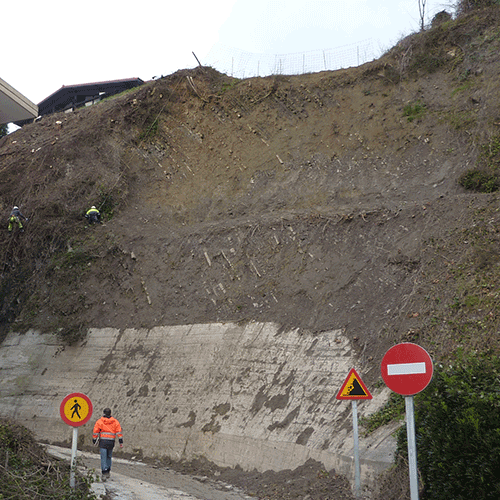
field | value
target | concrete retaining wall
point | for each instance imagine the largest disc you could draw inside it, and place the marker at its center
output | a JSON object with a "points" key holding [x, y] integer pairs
{"points": [[239, 395]]}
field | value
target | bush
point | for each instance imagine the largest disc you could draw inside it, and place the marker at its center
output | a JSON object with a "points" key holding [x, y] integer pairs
{"points": [[478, 180], [465, 6], [28, 473], [457, 421], [485, 178]]}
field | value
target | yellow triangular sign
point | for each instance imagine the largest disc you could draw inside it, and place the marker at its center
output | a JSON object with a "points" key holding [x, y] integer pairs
{"points": [[354, 388]]}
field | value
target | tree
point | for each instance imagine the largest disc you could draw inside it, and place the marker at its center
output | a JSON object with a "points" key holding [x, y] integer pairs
{"points": [[421, 11], [4, 130]]}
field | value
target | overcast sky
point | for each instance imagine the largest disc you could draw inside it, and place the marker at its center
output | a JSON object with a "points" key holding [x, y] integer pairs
{"points": [[47, 44]]}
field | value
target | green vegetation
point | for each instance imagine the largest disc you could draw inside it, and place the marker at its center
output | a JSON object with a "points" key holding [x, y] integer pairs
{"points": [[465, 6], [27, 472], [228, 85], [490, 153], [393, 409], [478, 180], [428, 61], [485, 177], [149, 131], [107, 202], [414, 111], [457, 425], [469, 313], [4, 130], [458, 414], [461, 120], [466, 85]]}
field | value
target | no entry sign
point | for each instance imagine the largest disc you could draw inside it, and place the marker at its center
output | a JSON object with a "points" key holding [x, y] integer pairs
{"points": [[407, 368]]}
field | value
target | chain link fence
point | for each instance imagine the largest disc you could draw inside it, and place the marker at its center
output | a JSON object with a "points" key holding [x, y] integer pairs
{"points": [[240, 64]]}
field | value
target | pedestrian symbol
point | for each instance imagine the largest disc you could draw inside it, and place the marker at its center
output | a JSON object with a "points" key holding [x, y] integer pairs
{"points": [[76, 409], [354, 388]]}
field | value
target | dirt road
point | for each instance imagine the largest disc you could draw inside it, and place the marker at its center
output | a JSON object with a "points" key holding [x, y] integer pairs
{"points": [[134, 480]]}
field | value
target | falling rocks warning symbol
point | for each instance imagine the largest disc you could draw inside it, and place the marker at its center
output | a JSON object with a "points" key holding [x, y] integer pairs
{"points": [[355, 389]]}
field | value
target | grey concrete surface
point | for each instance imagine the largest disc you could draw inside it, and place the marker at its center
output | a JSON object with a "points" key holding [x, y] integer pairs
{"points": [[14, 106], [247, 395]]}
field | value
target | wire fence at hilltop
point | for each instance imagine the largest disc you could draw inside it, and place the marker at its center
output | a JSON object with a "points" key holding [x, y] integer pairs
{"points": [[240, 64]]}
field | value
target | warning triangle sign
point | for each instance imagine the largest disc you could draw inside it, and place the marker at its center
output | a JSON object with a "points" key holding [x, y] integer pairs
{"points": [[354, 388]]}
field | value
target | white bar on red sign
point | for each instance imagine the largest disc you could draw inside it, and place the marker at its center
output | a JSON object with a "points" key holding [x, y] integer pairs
{"points": [[406, 369]]}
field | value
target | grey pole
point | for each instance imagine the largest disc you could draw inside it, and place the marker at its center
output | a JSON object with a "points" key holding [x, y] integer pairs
{"points": [[412, 447], [73, 457], [357, 472]]}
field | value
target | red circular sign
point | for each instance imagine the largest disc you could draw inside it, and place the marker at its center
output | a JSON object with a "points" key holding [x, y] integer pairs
{"points": [[76, 409], [407, 369]]}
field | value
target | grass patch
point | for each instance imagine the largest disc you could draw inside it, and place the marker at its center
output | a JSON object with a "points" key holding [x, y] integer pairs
{"points": [[490, 153], [150, 131], [463, 120], [468, 84], [414, 111], [228, 85]]}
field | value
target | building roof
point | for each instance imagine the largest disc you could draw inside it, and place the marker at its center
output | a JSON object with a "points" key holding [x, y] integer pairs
{"points": [[14, 106], [73, 95]]}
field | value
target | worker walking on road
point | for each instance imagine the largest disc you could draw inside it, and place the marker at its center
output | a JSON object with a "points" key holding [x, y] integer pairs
{"points": [[106, 429], [93, 216], [15, 218]]}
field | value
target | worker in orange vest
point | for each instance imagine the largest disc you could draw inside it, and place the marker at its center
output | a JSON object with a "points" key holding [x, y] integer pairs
{"points": [[106, 429]]}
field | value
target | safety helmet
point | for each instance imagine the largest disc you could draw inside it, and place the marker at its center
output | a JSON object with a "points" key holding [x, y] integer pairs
{"points": [[15, 208], [93, 208]]}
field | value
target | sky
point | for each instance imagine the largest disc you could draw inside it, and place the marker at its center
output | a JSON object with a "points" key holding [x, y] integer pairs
{"points": [[51, 43]]}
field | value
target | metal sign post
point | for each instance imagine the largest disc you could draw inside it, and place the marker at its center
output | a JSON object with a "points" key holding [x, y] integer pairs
{"points": [[73, 457], [357, 468], [412, 447], [407, 369], [353, 388]]}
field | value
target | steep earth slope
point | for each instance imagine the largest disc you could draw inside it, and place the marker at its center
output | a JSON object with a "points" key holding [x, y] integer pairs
{"points": [[316, 202], [301, 200]]}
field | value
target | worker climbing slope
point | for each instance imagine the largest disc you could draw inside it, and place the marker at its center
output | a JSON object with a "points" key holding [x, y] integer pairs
{"points": [[15, 218], [93, 215]]}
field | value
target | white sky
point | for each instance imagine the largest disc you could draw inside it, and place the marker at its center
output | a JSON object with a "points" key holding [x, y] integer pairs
{"points": [[47, 44]]}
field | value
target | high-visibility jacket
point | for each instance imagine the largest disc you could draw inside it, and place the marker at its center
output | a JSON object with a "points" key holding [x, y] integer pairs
{"points": [[92, 211], [17, 213], [107, 429]]}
